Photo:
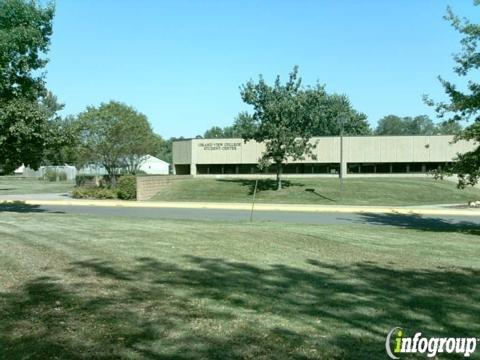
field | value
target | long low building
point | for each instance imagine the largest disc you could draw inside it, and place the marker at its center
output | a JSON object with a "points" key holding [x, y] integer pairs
{"points": [[360, 155]]}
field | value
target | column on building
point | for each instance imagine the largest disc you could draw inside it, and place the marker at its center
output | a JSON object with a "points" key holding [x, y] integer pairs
{"points": [[343, 158]]}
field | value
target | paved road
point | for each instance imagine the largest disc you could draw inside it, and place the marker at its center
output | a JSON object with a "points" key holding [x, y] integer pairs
{"points": [[413, 221]]}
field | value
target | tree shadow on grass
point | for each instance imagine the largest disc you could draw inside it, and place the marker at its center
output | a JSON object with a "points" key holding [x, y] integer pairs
{"points": [[423, 223], [263, 184], [22, 207], [313, 191], [215, 308]]}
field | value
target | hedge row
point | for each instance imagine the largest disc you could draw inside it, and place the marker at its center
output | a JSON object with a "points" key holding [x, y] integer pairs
{"points": [[86, 192], [126, 189]]}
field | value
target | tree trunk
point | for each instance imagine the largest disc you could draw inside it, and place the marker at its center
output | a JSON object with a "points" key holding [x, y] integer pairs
{"points": [[279, 176], [113, 180], [111, 171]]}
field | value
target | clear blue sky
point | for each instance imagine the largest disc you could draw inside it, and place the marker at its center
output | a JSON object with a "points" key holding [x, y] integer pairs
{"points": [[181, 62]]}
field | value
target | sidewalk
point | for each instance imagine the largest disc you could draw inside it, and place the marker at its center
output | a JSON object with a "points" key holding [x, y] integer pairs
{"points": [[60, 200], [25, 197]]}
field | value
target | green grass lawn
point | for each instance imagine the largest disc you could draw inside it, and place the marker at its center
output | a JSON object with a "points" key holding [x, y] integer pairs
{"points": [[12, 185], [79, 287], [366, 191]]}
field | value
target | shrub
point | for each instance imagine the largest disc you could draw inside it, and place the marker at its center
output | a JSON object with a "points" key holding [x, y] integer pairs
{"points": [[82, 180], [50, 175], [127, 187], [54, 175], [83, 192], [106, 180]]}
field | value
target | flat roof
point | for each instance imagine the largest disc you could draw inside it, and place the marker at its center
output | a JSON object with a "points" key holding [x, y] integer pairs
{"points": [[320, 136]]}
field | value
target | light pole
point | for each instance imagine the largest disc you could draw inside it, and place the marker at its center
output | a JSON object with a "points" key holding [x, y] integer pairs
{"points": [[340, 173]]}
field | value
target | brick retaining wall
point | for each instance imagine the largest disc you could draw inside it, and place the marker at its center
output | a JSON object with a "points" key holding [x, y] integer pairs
{"points": [[149, 186]]}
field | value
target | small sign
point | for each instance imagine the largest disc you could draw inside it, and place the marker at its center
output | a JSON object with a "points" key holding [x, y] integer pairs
{"points": [[220, 146]]}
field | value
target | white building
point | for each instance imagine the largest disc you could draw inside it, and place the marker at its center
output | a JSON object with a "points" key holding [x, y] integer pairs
{"points": [[20, 170], [153, 165], [150, 165]]}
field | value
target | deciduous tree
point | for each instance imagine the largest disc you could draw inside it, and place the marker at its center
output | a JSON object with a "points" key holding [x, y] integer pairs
{"points": [[464, 105], [283, 118], [448, 128], [396, 125], [116, 136], [337, 112], [25, 31], [214, 132]]}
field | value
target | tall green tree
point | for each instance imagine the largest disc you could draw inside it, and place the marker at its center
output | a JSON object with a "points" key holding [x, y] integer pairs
{"points": [[242, 124], [25, 31], [464, 105], [283, 118], [448, 128], [62, 142], [337, 115], [396, 125], [215, 132], [421, 125], [391, 125], [162, 148], [418, 125], [62, 146], [115, 136]]}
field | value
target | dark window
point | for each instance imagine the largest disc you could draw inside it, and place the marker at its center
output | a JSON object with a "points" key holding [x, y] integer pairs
{"points": [[433, 166], [353, 168], [368, 168], [229, 169], [182, 169], [415, 167], [399, 168], [290, 168], [383, 168]]}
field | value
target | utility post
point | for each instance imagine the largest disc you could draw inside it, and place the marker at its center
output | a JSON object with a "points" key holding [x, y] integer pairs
{"points": [[340, 173]]}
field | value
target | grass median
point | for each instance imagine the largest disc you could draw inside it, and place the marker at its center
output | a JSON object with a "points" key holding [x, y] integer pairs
{"points": [[79, 287], [323, 191]]}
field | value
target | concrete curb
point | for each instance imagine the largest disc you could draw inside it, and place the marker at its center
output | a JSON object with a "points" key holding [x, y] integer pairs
{"points": [[259, 207]]}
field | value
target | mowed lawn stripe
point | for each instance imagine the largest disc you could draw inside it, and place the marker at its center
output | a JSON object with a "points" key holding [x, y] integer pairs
{"points": [[323, 191], [80, 287]]}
